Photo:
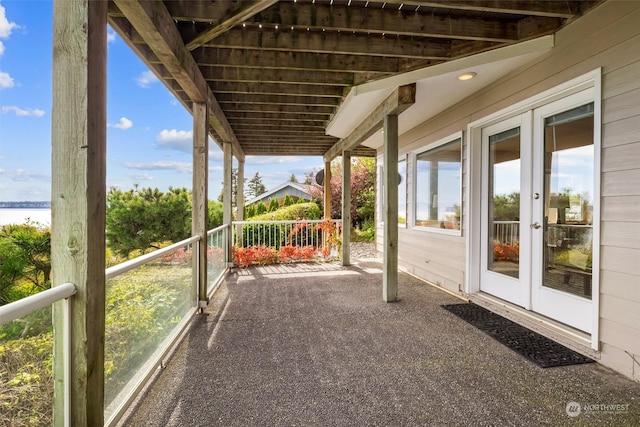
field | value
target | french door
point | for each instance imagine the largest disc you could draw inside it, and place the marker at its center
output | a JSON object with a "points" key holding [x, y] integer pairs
{"points": [[538, 192]]}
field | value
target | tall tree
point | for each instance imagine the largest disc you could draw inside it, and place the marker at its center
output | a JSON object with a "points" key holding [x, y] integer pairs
{"points": [[363, 180], [293, 178], [234, 188], [256, 187]]}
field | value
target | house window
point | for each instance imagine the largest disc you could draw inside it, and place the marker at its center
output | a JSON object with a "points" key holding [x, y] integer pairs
{"points": [[402, 192], [439, 185]]}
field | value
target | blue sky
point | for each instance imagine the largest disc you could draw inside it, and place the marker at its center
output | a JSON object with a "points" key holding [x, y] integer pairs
{"points": [[148, 134]]}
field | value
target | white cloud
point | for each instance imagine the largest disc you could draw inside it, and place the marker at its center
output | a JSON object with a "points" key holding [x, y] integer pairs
{"points": [[1, 48], [123, 124], [23, 175], [111, 37], [142, 176], [5, 25], [181, 140], [6, 81], [146, 79], [182, 167], [22, 111]]}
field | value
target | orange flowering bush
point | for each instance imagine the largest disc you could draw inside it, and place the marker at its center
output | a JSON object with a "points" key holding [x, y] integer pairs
{"points": [[264, 255], [504, 252]]}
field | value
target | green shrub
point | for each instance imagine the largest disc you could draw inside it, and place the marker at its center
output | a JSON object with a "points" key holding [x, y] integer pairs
{"points": [[273, 205], [367, 233], [288, 201], [270, 235], [26, 381]]}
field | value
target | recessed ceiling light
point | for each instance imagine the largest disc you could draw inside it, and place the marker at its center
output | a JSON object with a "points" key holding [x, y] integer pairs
{"points": [[467, 76]]}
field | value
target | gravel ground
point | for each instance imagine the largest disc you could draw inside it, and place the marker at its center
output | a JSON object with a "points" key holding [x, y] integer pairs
{"points": [[364, 250], [315, 345]]}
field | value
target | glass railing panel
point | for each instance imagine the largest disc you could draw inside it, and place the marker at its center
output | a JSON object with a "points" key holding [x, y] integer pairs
{"points": [[145, 306], [216, 263], [26, 379]]}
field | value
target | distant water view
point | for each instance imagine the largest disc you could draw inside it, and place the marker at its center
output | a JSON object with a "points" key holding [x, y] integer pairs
{"points": [[20, 216]]}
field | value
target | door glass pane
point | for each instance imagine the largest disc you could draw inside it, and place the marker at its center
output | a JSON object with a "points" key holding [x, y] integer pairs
{"points": [[504, 203], [568, 200]]}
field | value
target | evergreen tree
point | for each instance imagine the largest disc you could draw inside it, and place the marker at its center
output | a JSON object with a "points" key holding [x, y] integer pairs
{"points": [[273, 205], [293, 178], [261, 208], [251, 211], [255, 186], [288, 200]]}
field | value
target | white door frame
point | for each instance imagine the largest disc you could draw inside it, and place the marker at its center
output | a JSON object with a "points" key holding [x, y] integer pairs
{"points": [[514, 290], [473, 172]]}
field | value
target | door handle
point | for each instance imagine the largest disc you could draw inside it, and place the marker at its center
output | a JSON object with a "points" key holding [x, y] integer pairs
{"points": [[535, 225]]}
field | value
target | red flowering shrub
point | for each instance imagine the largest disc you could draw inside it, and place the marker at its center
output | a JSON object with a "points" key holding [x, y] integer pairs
{"points": [[264, 255], [504, 252]]}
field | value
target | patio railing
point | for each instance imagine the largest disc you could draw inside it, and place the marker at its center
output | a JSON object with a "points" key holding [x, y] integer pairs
{"points": [[149, 302], [323, 236], [507, 232]]}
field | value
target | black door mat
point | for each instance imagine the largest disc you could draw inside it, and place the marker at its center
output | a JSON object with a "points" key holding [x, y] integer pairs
{"points": [[540, 350]]}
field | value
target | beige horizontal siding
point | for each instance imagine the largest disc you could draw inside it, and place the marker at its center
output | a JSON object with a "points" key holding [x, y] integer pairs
{"points": [[622, 157], [625, 182], [621, 335], [621, 132], [621, 234], [620, 310], [622, 260], [621, 285]]}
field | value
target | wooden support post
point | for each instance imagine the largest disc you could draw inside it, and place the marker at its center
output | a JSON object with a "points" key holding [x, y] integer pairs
{"points": [[390, 209], [227, 196], [240, 191], [78, 137], [327, 189], [346, 208], [240, 200], [199, 211]]}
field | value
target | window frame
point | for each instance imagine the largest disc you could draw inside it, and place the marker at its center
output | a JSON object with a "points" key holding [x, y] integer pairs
{"points": [[457, 136]]}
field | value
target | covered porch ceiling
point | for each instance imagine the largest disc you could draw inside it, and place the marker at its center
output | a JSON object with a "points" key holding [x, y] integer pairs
{"points": [[294, 77]]}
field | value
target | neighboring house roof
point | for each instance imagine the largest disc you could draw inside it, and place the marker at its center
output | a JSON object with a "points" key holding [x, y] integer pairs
{"points": [[293, 189]]}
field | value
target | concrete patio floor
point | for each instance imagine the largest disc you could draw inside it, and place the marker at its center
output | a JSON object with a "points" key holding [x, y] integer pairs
{"points": [[315, 345]]}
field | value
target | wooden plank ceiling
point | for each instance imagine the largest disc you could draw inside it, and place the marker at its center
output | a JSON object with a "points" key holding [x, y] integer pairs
{"points": [[274, 72]]}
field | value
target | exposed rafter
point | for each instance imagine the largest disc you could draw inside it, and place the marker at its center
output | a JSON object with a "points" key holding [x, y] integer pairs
{"points": [[277, 71], [247, 10]]}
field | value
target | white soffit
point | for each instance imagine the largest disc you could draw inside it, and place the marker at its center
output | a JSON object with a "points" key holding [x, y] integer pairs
{"points": [[437, 87]]}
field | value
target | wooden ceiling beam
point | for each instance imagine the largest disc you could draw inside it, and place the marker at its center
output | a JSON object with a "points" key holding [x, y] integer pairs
{"points": [[392, 22], [550, 8], [255, 128], [278, 123], [154, 23], [277, 89], [263, 75], [284, 99], [280, 109], [244, 12], [324, 139], [334, 43], [397, 102], [235, 116], [305, 61]]}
